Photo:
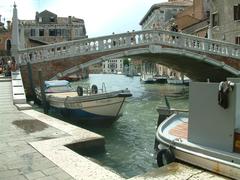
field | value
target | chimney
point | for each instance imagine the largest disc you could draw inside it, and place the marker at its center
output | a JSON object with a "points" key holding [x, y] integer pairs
{"points": [[69, 19]]}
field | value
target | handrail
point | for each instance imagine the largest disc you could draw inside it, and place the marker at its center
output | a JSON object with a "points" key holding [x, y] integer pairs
{"points": [[126, 40]]}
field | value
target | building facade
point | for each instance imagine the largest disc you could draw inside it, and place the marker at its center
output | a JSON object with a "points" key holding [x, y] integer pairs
{"points": [[48, 28], [5, 38], [195, 19], [225, 20], [112, 66], [160, 14]]}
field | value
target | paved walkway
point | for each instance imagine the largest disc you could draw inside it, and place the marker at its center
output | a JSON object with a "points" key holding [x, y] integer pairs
{"points": [[18, 159]]}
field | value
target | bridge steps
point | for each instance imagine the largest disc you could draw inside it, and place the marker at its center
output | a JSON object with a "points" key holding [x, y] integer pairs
{"points": [[4, 79], [19, 96]]}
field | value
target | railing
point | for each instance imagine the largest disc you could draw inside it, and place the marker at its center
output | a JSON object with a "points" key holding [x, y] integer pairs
{"points": [[127, 40]]}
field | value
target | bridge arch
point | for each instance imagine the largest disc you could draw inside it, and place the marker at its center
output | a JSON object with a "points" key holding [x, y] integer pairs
{"points": [[194, 65]]}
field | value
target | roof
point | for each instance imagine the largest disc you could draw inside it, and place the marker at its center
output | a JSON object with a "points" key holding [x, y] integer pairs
{"points": [[169, 4], [46, 12]]}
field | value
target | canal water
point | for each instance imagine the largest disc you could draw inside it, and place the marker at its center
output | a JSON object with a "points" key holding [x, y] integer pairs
{"points": [[130, 140]]}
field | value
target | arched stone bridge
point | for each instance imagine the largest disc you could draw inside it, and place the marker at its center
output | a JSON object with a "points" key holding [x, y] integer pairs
{"points": [[198, 58]]}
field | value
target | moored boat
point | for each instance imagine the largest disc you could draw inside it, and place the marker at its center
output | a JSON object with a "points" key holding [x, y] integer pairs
{"points": [[160, 79], [209, 136], [87, 105], [147, 78]]}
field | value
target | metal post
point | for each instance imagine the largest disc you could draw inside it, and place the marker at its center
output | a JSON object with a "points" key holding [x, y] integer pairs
{"points": [[43, 95], [32, 86]]}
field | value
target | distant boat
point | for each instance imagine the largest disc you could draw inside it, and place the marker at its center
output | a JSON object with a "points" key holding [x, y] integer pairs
{"points": [[147, 78], [91, 106], [160, 79], [174, 80]]}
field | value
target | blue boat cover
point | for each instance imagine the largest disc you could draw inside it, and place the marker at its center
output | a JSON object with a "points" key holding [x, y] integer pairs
{"points": [[55, 83]]}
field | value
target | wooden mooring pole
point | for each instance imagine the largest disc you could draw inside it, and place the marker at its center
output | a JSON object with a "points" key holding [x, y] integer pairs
{"points": [[32, 86], [43, 95], [163, 112]]}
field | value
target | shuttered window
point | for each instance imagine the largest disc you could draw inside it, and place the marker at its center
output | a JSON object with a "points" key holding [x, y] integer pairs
{"points": [[236, 12], [215, 19], [237, 40]]}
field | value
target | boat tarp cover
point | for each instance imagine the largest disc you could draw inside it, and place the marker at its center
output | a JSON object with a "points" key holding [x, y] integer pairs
{"points": [[56, 83]]}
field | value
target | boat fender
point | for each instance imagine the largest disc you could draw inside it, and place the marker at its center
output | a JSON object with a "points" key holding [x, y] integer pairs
{"points": [[94, 89], [80, 91], [164, 157]]}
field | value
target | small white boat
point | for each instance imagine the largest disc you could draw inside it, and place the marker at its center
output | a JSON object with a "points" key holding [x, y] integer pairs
{"points": [[160, 79], [209, 137], [174, 80], [147, 78], [90, 106]]}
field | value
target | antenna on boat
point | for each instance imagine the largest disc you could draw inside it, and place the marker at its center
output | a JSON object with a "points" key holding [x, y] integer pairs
{"points": [[167, 102]]}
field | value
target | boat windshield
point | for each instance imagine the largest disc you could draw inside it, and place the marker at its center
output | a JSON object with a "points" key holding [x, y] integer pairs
{"points": [[59, 89]]}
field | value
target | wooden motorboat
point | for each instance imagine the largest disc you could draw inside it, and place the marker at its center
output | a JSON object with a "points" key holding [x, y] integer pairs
{"points": [[82, 105], [209, 136]]}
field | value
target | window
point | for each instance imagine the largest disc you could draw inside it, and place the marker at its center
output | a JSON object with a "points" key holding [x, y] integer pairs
{"points": [[32, 32], [215, 19], [58, 32], [236, 12], [41, 32], [51, 19], [40, 19], [52, 32], [237, 40]]}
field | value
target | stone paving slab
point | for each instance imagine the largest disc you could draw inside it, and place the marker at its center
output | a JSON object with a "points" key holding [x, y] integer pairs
{"points": [[18, 159], [177, 171], [78, 166]]}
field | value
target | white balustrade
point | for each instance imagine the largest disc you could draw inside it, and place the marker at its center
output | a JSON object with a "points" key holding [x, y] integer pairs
{"points": [[127, 40]]}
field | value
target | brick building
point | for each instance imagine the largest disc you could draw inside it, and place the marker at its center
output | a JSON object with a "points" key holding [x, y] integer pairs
{"points": [[160, 14], [112, 66], [5, 38], [225, 17], [195, 19]]}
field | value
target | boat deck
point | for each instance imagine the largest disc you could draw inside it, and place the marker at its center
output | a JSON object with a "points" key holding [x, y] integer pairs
{"points": [[180, 130]]}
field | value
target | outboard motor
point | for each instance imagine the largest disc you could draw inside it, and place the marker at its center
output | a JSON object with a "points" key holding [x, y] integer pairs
{"points": [[80, 91], [94, 89]]}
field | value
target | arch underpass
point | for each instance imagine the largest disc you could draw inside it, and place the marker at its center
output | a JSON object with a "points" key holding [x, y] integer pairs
{"points": [[196, 66]]}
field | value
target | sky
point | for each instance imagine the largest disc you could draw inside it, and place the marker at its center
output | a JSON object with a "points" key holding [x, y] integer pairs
{"points": [[102, 17]]}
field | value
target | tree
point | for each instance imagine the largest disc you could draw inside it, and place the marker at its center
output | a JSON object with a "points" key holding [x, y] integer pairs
{"points": [[125, 62]]}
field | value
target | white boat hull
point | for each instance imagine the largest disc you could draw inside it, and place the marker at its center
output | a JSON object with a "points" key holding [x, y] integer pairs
{"points": [[217, 161], [148, 78], [174, 81], [95, 106]]}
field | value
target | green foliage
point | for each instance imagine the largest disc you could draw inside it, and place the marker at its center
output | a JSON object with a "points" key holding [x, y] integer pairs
{"points": [[125, 62]]}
